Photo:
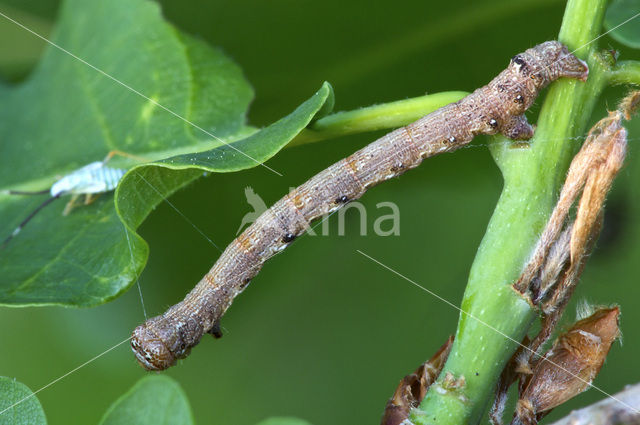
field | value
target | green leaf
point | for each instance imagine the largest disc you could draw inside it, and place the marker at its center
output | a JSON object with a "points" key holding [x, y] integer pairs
{"points": [[620, 11], [283, 421], [145, 186], [154, 399], [27, 409], [68, 114]]}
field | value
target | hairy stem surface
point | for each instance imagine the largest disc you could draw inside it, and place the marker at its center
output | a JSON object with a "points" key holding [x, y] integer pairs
{"points": [[626, 72]]}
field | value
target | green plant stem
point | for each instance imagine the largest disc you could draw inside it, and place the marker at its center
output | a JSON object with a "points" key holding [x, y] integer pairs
{"points": [[495, 316], [626, 72], [377, 117]]}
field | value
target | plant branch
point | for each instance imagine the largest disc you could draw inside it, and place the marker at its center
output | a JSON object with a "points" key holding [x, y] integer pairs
{"points": [[377, 117], [626, 72], [621, 409], [532, 178]]}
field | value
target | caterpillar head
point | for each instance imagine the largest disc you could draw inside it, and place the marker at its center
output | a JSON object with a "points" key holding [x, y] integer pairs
{"points": [[149, 348], [534, 69], [547, 62]]}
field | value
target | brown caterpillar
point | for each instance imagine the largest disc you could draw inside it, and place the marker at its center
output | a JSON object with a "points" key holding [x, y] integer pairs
{"points": [[495, 108]]}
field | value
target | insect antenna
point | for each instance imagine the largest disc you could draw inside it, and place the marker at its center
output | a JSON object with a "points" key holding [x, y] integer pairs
{"points": [[21, 192], [30, 216]]}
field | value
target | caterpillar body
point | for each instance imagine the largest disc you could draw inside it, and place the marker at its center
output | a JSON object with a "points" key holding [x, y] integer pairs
{"points": [[497, 107]]}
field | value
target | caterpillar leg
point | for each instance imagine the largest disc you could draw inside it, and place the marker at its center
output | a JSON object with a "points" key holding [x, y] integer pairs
{"points": [[517, 128], [216, 331]]}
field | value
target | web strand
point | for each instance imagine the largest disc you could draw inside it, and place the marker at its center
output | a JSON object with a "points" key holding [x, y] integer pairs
{"points": [[274, 171], [133, 90], [64, 376], [179, 212], [493, 328], [126, 233], [607, 32]]}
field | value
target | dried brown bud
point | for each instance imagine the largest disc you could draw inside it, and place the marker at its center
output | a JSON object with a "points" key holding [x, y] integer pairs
{"points": [[552, 273], [607, 155], [629, 105], [413, 388], [570, 366], [550, 276]]}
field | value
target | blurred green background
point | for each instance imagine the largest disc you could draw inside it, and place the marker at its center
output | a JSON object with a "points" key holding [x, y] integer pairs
{"points": [[322, 333]]}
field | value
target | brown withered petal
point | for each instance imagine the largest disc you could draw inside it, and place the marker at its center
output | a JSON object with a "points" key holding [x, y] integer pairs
{"points": [[413, 388], [570, 366], [629, 105], [598, 184], [553, 271], [591, 173]]}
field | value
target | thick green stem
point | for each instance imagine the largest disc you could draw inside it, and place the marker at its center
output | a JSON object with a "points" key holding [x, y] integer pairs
{"points": [[495, 316], [377, 117]]}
